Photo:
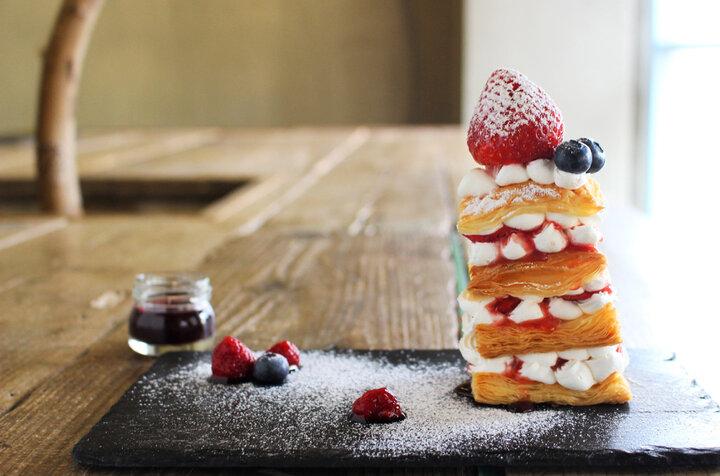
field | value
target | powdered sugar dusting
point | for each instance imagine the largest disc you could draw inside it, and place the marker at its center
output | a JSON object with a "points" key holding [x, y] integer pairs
{"points": [[528, 193], [311, 410], [507, 102]]}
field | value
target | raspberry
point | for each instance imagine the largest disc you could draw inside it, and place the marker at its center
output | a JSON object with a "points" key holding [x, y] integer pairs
{"points": [[232, 359], [514, 122], [377, 406], [288, 350]]}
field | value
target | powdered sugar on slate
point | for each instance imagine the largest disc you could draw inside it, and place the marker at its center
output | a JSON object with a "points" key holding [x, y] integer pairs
{"points": [[311, 410], [527, 193], [174, 416]]}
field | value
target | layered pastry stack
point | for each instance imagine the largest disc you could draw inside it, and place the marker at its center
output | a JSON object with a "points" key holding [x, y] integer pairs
{"points": [[539, 320]]}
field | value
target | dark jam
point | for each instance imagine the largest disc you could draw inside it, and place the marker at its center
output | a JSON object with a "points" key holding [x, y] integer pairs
{"points": [[170, 325]]}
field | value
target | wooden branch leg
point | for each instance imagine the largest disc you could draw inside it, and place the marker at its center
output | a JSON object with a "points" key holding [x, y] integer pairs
{"points": [[57, 177]]}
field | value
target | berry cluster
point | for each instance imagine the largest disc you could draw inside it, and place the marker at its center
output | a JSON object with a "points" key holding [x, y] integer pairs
{"points": [[233, 361], [516, 122], [579, 156]]}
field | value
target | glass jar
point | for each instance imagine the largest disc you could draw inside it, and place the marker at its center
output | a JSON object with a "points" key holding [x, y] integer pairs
{"points": [[172, 312]]}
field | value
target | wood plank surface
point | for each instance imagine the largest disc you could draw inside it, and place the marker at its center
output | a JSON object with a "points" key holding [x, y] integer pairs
{"points": [[68, 353], [16, 230], [366, 292], [99, 152], [54, 284], [341, 238]]}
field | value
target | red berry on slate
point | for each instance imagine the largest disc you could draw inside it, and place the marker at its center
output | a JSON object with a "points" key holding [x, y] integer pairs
{"points": [[514, 122], [377, 406], [232, 359], [288, 350]]}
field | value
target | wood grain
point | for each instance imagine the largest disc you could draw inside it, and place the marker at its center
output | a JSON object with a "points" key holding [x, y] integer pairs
{"points": [[18, 230], [357, 257], [368, 292], [101, 152], [398, 181], [48, 317]]}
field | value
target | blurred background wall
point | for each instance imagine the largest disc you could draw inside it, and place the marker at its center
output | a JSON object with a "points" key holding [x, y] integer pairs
{"points": [[236, 63], [289, 62]]}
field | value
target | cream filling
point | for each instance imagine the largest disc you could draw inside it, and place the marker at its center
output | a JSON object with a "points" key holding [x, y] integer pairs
{"points": [[530, 221], [583, 369], [478, 182], [529, 308], [548, 239]]}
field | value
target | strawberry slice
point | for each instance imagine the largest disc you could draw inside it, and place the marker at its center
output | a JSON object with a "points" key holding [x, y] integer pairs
{"points": [[515, 122]]}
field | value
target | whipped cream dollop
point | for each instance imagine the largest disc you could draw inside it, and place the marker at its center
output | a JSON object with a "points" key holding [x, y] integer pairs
{"points": [[479, 181], [550, 239], [532, 221], [510, 174], [476, 182], [482, 254], [516, 246], [525, 221], [576, 369]]}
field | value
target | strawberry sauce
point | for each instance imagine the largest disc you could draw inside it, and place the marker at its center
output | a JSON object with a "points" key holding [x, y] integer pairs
{"points": [[512, 370], [504, 232], [559, 363], [505, 305], [498, 235]]}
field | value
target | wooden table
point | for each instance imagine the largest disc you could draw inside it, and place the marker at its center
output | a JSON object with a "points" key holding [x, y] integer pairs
{"points": [[333, 236]]}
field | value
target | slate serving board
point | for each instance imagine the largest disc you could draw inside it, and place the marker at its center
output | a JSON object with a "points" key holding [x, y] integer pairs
{"points": [[175, 416]]}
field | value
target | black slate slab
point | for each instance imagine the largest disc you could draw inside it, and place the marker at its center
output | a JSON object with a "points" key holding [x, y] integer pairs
{"points": [[175, 416]]}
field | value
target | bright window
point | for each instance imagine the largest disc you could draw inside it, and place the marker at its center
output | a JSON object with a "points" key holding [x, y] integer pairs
{"points": [[684, 180], [684, 116]]}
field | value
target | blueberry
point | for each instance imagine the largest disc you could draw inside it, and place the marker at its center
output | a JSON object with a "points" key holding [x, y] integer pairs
{"points": [[573, 156], [598, 154], [271, 369]]}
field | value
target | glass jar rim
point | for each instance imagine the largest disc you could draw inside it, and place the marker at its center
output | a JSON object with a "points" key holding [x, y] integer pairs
{"points": [[192, 283]]}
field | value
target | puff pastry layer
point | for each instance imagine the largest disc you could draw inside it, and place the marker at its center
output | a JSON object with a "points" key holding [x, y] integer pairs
{"points": [[598, 329], [554, 276], [480, 214], [496, 389]]}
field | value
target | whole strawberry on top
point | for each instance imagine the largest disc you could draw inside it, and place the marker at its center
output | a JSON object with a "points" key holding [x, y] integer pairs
{"points": [[515, 122]]}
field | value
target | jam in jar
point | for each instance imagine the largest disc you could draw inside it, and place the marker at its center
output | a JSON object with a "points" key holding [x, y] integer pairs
{"points": [[172, 312]]}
